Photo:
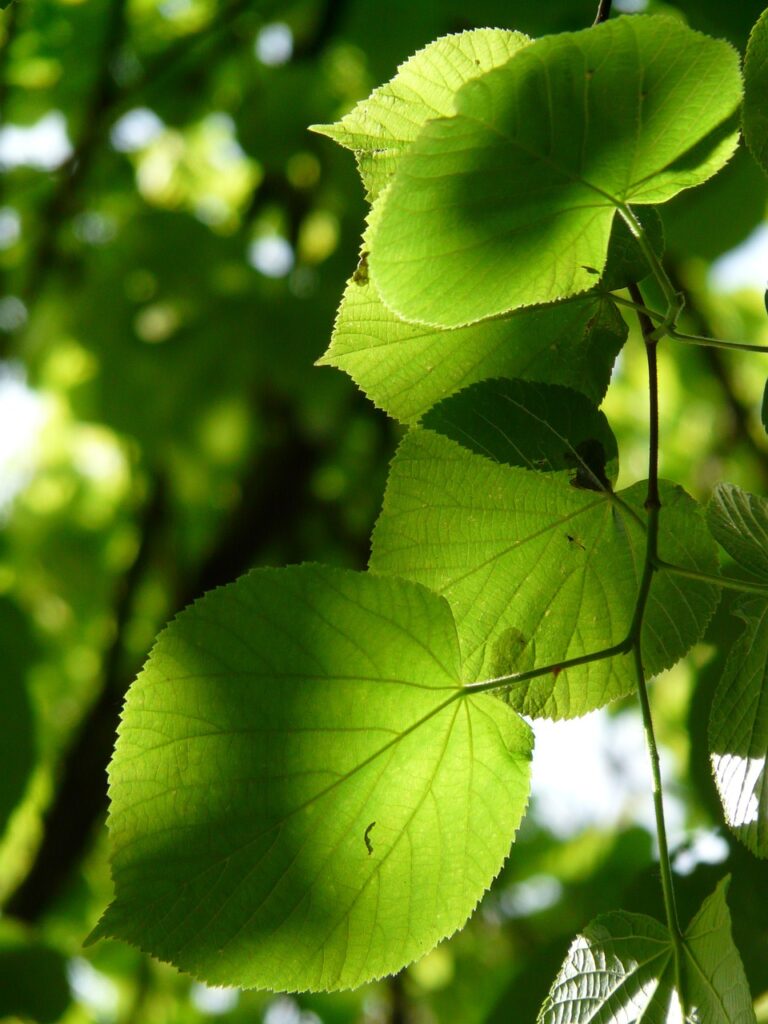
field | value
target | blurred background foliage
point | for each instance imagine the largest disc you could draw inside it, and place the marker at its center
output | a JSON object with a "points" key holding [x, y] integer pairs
{"points": [[173, 246]]}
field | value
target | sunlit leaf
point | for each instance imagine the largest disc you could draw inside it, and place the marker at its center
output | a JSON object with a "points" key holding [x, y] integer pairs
{"points": [[548, 551], [755, 113], [739, 521], [303, 796], [405, 368], [622, 968], [716, 989], [738, 730], [619, 969], [510, 202], [379, 128]]}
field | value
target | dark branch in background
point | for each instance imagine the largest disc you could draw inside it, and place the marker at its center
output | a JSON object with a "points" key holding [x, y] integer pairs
{"points": [[168, 61], [603, 12], [10, 24], [67, 823], [399, 1011], [328, 21], [74, 170], [718, 364], [275, 494]]}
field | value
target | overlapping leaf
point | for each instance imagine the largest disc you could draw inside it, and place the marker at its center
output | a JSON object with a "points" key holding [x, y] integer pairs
{"points": [[510, 202], [738, 730], [755, 113], [621, 968], [303, 795], [504, 506], [739, 521], [405, 368], [382, 126]]}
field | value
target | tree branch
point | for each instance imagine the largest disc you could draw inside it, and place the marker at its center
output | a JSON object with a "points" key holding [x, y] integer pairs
{"points": [[603, 12]]}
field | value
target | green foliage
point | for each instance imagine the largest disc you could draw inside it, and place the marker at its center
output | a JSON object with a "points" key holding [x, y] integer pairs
{"points": [[622, 967], [290, 768], [739, 522], [541, 154], [382, 127], [320, 772], [755, 117], [498, 508]]}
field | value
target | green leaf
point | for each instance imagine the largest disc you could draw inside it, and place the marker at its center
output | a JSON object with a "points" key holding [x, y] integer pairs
{"points": [[755, 111], [405, 368], [510, 202], [303, 795], [555, 556], [379, 128], [716, 989], [622, 968], [739, 522], [738, 730]]}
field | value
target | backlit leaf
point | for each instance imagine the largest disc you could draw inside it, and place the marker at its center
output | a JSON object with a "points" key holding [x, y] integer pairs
{"points": [[739, 521], [622, 969], [554, 555], [303, 795], [510, 202], [405, 368], [755, 113], [738, 730], [379, 128]]}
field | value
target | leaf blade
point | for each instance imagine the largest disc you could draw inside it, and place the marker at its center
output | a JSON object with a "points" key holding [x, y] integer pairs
{"points": [[754, 117], [319, 784], [514, 549], [483, 204], [738, 730]]}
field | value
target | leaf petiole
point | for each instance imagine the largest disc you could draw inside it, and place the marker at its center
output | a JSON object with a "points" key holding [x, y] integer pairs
{"points": [[748, 586]]}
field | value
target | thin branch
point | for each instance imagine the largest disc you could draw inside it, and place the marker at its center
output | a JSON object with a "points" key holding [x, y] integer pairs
{"points": [[75, 169], [673, 299], [653, 507], [705, 342], [727, 582], [603, 12], [514, 678], [68, 822]]}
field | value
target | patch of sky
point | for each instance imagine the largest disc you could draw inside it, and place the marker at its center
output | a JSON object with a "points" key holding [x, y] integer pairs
{"points": [[274, 44], [44, 145]]}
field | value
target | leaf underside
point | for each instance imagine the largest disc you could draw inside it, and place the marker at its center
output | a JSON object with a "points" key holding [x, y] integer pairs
{"points": [[302, 794], [620, 970]]}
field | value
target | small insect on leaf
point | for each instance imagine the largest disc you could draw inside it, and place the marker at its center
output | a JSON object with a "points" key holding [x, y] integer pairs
{"points": [[368, 843], [575, 541]]}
